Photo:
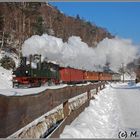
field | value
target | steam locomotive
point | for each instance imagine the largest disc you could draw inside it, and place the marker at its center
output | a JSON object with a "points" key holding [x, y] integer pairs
{"points": [[28, 75]]}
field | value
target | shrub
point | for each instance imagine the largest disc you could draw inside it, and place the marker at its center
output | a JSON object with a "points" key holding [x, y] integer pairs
{"points": [[7, 62]]}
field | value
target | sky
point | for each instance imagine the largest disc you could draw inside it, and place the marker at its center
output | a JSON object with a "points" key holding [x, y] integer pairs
{"points": [[119, 18]]}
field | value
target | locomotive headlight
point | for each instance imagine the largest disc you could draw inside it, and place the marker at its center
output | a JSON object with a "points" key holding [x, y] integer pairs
{"points": [[26, 71]]}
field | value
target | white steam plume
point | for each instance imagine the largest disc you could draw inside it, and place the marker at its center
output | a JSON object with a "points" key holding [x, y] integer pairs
{"points": [[78, 54]]}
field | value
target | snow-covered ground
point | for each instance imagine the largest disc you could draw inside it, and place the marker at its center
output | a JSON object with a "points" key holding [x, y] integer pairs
{"points": [[114, 112], [6, 75], [128, 96], [5, 78], [28, 91], [129, 76]]}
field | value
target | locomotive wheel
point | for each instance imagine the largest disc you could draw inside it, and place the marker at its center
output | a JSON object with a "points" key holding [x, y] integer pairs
{"points": [[39, 83], [49, 82], [15, 85]]}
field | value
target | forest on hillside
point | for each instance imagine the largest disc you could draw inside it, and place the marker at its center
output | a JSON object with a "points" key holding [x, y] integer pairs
{"points": [[21, 20]]}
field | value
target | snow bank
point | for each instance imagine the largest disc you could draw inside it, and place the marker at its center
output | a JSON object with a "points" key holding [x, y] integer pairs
{"points": [[7, 90], [27, 91], [5, 78], [128, 95], [129, 76], [99, 120], [138, 84], [6, 75], [77, 54]]}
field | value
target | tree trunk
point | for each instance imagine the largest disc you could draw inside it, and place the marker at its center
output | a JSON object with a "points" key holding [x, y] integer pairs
{"points": [[3, 33]]}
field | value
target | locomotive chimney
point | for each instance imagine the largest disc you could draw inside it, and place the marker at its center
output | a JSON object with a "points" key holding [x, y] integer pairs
{"points": [[23, 61], [30, 61], [39, 63]]}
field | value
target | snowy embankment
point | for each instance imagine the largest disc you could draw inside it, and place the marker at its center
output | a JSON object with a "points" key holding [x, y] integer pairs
{"points": [[6, 75], [99, 120], [27, 91], [9, 91], [5, 78], [129, 101], [129, 76], [115, 109]]}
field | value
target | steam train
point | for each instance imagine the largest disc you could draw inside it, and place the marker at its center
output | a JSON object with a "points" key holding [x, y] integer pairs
{"points": [[26, 75]]}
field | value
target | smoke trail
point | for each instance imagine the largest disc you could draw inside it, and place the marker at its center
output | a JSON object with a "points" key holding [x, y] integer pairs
{"points": [[77, 54]]}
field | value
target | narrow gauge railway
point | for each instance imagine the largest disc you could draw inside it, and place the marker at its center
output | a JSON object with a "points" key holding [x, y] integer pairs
{"points": [[26, 75]]}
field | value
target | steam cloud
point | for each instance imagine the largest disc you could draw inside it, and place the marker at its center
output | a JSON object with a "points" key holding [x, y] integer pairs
{"points": [[78, 54]]}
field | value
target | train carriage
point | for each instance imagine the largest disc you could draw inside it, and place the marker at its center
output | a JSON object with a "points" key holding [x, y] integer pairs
{"points": [[91, 76], [103, 76], [70, 75], [116, 77]]}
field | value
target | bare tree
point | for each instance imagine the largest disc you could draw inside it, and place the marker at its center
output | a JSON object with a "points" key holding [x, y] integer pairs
{"points": [[3, 34]]}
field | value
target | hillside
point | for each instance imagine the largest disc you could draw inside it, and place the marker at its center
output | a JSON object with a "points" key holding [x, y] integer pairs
{"points": [[19, 21]]}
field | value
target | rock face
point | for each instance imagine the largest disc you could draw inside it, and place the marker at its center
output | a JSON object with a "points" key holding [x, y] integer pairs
{"points": [[19, 21]]}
